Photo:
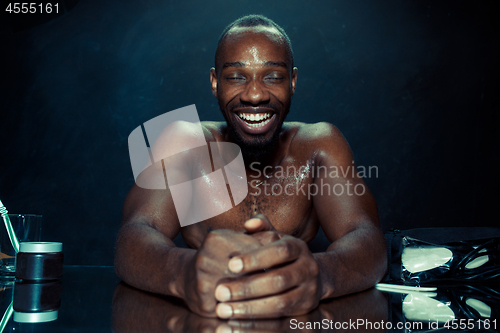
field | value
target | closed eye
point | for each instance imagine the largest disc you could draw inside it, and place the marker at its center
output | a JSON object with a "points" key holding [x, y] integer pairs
{"points": [[273, 79], [235, 78]]}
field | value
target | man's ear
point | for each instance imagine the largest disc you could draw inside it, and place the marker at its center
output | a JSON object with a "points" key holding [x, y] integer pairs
{"points": [[213, 81], [294, 79]]}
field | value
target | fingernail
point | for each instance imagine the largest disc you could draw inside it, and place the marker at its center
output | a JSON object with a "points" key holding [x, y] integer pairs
{"points": [[224, 329], [235, 265], [222, 293], [224, 311], [252, 223]]}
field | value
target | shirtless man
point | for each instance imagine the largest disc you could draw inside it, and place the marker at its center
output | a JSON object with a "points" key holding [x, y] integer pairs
{"points": [[253, 260]]}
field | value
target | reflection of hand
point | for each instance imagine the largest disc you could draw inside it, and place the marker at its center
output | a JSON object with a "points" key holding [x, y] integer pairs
{"points": [[290, 287], [210, 266], [138, 311], [368, 310]]}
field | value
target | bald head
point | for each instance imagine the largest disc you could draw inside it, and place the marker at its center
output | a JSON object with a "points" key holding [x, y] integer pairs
{"points": [[251, 26]]}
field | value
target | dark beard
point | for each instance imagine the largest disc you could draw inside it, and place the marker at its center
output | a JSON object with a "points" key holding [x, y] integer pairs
{"points": [[256, 150]]}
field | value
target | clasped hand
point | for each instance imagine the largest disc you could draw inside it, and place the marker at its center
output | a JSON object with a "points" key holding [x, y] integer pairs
{"points": [[257, 274]]}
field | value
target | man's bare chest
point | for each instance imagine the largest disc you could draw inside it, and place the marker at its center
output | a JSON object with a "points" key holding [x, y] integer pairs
{"points": [[280, 194]]}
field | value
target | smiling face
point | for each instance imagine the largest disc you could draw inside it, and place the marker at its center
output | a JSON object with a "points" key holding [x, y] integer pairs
{"points": [[254, 83]]}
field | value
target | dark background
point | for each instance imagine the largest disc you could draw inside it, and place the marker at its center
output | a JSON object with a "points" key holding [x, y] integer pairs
{"points": [[411, 84]]}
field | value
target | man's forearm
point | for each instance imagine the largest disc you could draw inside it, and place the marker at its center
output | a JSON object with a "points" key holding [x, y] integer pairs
{"points": [[352, 263], [148, 260]]}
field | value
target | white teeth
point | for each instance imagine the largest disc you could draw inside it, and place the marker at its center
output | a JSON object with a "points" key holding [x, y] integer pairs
{"points": [[254, 116], [259, 124]]}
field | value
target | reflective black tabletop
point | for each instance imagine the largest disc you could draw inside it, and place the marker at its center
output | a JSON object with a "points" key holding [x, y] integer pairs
{"points": [[92, 299], [85, 302]]}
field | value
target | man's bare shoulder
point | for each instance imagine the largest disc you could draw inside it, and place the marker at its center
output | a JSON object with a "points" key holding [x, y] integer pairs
{"points": [[316, 133], [213, 130], [317, 141]]}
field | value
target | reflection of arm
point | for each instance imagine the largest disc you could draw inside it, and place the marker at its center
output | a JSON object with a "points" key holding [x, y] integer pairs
{"points": [[356, 259]]}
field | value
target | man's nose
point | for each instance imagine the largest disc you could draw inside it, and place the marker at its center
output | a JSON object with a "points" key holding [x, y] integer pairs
{"points": [[255, 93]]}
